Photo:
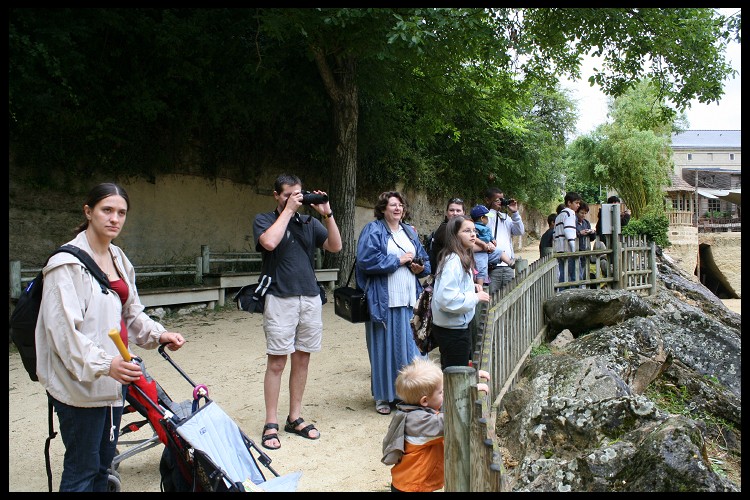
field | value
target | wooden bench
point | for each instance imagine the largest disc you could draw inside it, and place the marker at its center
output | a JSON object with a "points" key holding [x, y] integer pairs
{"points": [[158, 297], [226, 282]]}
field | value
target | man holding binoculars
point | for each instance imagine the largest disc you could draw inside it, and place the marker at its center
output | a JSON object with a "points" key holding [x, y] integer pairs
{"points": [[292, 314], [503, 226]]}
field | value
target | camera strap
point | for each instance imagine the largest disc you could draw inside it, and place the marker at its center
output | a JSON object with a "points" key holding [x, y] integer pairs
{"points": [[406, 232]]}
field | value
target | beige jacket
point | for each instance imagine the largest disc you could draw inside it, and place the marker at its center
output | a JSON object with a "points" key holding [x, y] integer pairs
{"points": [[73, 348]]}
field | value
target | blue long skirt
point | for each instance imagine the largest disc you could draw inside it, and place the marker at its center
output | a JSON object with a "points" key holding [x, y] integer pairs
{"points": [[390, 347]]}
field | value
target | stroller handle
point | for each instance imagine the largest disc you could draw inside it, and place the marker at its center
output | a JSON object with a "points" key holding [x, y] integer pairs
{"points": [[171, 362]]}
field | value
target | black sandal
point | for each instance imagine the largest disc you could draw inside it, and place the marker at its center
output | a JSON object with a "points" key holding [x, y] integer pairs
{"points": [[267, 437], [304, 432]]}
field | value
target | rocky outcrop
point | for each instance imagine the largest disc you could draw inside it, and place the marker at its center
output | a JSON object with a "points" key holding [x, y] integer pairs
{"points": [[586, 418]]}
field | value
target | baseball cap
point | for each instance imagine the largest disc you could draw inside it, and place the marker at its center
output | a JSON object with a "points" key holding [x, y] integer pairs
{"points": [[478, 211]]}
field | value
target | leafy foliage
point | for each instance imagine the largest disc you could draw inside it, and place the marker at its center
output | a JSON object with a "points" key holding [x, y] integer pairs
{"points": [[654, 225]]}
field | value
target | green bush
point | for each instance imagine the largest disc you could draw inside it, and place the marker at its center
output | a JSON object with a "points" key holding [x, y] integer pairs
{"points": [[655, 226]]}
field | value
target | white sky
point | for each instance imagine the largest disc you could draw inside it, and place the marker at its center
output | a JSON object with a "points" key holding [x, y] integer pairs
{"points": [[724, 115]]}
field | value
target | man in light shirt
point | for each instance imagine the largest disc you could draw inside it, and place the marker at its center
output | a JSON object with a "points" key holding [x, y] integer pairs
{"points": [[505, 222]]}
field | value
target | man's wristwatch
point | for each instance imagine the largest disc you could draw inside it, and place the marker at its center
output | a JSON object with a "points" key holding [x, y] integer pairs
{"points": [[326, 216]]}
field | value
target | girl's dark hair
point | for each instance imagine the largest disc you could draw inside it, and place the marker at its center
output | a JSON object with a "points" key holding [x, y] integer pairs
{"points": [[382, 202], [453, 245], [97, 194], [285, 180]]}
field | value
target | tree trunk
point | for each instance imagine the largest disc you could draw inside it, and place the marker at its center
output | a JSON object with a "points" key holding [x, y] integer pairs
{"points": [[339, 77]]}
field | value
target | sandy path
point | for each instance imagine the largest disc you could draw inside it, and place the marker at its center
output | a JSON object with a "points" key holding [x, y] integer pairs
{"points": [[226, 351]]}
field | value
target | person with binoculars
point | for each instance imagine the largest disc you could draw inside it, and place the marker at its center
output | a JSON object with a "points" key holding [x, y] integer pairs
{"points": [[292, 314], [504, 225]]}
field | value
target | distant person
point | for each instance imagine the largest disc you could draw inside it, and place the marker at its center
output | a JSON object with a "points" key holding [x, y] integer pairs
{"points": [[585, 235], [624, 215], [80, 367], [565, 238], [545, 243], [293, 311], [505, 222], [436, 240], [486, 254], [390, 262], [455, 295]]}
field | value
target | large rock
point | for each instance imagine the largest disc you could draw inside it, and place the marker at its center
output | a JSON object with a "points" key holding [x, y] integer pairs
{"points": [[581, 418]]}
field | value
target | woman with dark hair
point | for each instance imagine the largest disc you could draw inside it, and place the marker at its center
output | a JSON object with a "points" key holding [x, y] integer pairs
{"points": [[84, 374], [454, 208], [390, 261], [455, 294]]}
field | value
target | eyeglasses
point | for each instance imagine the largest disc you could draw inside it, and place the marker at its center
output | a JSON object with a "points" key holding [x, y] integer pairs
{"points": [[455, 200], [469, 231]]}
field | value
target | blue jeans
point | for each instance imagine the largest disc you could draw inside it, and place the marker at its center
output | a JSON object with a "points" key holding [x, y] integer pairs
{"points": [[571, 262], [89, 451]]}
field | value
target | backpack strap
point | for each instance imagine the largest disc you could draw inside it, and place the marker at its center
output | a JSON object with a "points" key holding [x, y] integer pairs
{"points": [[47, 443], [90, 264]]}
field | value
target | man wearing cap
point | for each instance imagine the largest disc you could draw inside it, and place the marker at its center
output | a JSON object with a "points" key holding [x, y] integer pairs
{"points": [[503, 226], [485, 251]]}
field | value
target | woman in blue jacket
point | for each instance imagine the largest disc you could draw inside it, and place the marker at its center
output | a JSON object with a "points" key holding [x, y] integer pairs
{"points": [[390, 259], [455, 294]]}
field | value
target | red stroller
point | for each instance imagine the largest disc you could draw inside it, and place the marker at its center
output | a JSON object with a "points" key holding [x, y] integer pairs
{"points": [[204, 448]]}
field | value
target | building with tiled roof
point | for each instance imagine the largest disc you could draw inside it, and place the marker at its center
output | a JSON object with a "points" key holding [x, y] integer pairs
{"points": [[707, 177]]}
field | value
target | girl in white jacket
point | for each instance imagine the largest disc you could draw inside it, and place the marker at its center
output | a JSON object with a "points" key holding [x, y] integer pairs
{"points": [[455, 294]]}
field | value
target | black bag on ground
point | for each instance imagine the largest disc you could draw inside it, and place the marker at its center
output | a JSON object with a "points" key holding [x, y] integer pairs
{"points": [[252, 298], [351, 303], [23, 320]]}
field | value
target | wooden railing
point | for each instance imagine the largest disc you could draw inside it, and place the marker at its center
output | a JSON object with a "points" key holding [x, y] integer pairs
{"points": [[507, 330], [212, 275], [681, 217]]}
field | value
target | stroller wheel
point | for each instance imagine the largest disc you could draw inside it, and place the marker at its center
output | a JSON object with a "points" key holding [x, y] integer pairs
{"points": [[114, 485]]}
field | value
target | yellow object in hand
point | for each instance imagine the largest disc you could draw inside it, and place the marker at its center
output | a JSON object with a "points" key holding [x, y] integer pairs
{"points": [[114, 334]]}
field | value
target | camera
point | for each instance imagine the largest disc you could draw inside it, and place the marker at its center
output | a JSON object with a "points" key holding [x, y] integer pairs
{"points": [[504, 202], [418, 261], [309, 198]]}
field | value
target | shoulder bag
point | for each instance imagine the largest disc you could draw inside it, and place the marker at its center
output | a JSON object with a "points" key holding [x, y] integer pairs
{"points": [[351, 303]]}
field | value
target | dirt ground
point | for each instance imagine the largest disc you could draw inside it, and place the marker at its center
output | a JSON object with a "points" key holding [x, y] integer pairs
{"points": [[226, 352]]}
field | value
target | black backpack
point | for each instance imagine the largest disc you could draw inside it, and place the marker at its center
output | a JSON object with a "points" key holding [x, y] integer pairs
{"points": [[23, 320]]}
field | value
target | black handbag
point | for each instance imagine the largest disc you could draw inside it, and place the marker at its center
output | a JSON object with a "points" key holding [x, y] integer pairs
{"points": [[252, 298], [351, 303]]}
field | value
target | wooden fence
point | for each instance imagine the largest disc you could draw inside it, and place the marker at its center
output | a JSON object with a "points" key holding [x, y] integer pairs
{"points": [[213, 273], [506, 332]]}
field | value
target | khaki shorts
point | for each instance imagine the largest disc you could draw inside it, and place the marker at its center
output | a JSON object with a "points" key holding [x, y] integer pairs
{"points": [[293, 324]]}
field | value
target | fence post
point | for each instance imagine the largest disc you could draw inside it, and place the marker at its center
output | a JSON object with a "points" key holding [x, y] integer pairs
{"points": [[199, 270], [457, 405], [652, 264], [14, 272], [205, 252]]}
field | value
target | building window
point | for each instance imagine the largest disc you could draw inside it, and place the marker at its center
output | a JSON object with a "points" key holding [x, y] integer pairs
{"points": [[731, 156], [714, 205], [690, 156]]}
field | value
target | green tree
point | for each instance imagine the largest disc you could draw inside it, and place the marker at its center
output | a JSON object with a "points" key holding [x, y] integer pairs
{"points": [[415, 96], [632, 154]]}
